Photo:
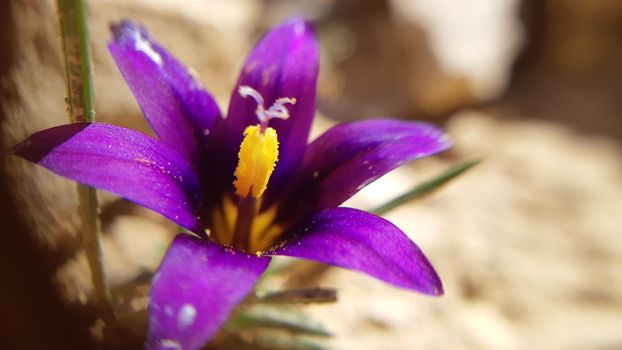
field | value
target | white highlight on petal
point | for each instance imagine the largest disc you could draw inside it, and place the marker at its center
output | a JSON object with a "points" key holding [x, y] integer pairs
{"points": [[299, 28], [157, 274], [186, 316], [170, 344], [142, 44], [276, 111]]}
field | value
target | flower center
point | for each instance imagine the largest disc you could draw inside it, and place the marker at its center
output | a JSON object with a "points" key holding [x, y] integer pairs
{"points": [[259, 152]]}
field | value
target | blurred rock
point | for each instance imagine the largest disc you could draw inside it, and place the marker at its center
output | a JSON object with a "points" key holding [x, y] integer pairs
{"points": [[571, 70], [376, 64], [575, 38], [476, 40], [415, 59]]}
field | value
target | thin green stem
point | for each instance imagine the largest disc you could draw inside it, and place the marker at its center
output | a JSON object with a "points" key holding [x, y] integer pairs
{"points": [[296, 296], [76, 52], [426, 187]]}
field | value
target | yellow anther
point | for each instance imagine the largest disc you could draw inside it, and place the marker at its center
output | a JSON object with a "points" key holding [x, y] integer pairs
{"points": [[258, 154]]}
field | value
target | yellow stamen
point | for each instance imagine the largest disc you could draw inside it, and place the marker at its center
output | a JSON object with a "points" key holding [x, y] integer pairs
{"points": [[258, 154], [262, 225]]}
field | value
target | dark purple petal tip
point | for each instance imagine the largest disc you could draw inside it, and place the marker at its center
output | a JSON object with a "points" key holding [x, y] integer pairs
{"points": [[127, 31], [123, 161], [178, 108], [195, 289], [357, 240], [40, 144]]}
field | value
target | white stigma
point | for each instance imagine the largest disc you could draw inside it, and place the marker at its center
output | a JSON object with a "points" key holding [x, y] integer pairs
{"points": [[276, 111]]}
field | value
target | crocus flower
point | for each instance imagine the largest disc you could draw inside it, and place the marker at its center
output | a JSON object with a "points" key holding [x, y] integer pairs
{"points": [[248, 186]]}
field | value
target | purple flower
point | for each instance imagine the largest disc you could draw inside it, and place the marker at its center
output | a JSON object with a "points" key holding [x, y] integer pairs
{"points": [[249, 186]]}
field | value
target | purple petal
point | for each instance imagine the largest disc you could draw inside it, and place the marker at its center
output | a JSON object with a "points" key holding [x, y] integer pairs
{"points": [[357, 240], [122, 161], [176, 105], [195, 289], [283, 64], [352, 155]]}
